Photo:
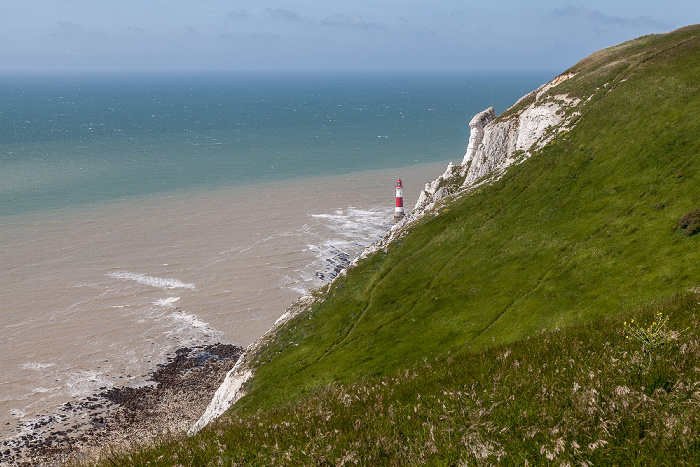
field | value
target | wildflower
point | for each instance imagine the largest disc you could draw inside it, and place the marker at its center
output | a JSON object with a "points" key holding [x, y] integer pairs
{"points": [[651, 337]]}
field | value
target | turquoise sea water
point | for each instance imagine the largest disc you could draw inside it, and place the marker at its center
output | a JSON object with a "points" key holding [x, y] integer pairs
{"points": [[66, 140]]}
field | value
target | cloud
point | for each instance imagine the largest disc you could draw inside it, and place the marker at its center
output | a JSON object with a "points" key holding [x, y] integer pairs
{"points": [[69, 26], [257, 37], [70, 30], [239, 14], [598, 17], [342, 20], [282, 14]]}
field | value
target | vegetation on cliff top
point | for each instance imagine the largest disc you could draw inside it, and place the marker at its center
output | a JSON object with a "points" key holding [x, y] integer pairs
{"points": [[574, 238]]}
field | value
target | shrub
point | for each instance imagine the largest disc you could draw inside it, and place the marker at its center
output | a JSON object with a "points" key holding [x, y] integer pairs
{"points": [[690, 222]]}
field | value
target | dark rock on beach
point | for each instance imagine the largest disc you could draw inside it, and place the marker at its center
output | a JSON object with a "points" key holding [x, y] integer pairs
{"points": [[179, 392], [338, 261]]}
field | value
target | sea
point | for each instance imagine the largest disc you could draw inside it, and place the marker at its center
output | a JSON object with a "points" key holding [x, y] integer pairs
{"points": [[142, 213]]}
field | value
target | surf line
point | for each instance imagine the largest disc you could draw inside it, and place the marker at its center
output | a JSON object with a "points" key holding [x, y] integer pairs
{"points": [[157, 282]]}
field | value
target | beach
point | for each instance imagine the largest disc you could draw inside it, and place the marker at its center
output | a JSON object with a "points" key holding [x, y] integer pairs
{"points": [[123, 418], [224, 269]]}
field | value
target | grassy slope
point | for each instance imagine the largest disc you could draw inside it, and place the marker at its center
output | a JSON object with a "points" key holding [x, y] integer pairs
{"points": [[575, 238], [571, 235], [580, 396]]}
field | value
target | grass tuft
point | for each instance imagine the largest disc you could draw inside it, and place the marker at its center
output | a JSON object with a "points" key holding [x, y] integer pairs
{"points": [[690, 223]]}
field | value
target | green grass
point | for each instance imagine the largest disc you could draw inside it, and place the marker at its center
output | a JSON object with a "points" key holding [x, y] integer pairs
{"points": [[572, 239], [585, 395], [568, 236]]}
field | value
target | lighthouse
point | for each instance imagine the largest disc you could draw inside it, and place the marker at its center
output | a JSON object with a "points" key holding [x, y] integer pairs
{"points": [[398, 212]]}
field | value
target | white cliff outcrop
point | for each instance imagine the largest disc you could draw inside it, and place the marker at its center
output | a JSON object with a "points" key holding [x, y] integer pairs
{"points": [[233, 387], [228, 394], [476, 132], [497, 143]]}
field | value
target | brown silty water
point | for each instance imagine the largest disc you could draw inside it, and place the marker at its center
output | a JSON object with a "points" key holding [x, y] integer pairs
{"points": [[96, 296]]}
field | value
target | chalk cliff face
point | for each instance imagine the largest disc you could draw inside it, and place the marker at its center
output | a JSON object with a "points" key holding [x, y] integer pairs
{"points": [[233, 387], [497, 143]]}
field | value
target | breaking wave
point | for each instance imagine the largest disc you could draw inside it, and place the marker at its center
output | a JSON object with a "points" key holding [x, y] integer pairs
{"points": [[344, 235], [157, 282], [167, 302]]}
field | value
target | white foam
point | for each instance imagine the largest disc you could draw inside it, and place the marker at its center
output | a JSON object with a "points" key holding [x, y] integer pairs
{"points": [[358, 224], [167, 302], [345, 234], [158, 282], [191, 321], [298, 289], [36, 366], [324, 216], [82, 383], [18, 413]]}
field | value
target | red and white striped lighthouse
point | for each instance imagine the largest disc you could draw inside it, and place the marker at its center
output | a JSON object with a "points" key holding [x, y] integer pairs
{"points": [[398, 212]]}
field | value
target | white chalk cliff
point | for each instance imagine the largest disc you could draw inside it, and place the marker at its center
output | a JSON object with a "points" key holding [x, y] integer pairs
{"points": [[233, 387], [494, 145], [497, 143]]}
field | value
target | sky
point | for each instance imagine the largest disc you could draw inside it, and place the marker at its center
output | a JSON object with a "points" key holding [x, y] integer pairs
{"points": [[321, 35]]}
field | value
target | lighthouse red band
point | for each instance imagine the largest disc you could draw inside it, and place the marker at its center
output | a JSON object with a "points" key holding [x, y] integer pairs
{"points": [[398, 212]]}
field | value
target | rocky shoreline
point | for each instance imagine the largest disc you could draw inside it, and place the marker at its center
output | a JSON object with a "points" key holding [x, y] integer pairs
{"points": [[120, 417], [179, 392]]}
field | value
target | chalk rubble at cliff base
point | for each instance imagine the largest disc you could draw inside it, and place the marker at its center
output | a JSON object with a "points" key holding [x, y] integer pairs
{"points": [[121, 417]]}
